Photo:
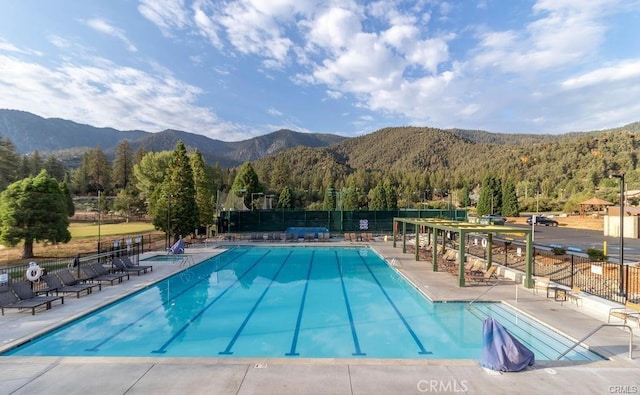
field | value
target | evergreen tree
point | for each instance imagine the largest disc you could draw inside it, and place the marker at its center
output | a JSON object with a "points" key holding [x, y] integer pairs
{"points": [[9, 163], [33, 210], [176, 212], [464, 200], [378, 199], [71, 208], [490, 201], [246, 182], [122, 172], [55, 168], [510, 206], [391, 194], [329, 202], [350, 198], [204, 192]]}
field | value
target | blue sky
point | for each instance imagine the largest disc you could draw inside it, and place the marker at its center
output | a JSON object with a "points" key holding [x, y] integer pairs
{"points": [[232, 70]]}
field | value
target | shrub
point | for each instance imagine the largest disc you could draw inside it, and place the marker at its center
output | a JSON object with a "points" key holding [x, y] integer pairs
{"points": [[596, 254], [558, 251]]}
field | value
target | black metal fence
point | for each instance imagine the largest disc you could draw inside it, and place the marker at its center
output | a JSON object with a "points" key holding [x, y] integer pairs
{"points": [[128, 246], [608, 280]]}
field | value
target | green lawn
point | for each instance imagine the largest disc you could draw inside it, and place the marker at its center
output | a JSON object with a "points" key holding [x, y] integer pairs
{"points": [[79, 231]]}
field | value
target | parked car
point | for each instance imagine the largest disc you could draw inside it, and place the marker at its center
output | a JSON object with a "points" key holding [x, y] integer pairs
{"points": [[495, 219], [540, 220]]}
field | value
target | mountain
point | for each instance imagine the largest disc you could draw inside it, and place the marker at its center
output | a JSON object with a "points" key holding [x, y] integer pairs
{"points": [[68, 140], [29, 132]]}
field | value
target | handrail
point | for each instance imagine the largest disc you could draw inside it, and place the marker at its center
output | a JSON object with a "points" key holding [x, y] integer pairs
{"points": [[577, 343], [187, 260], [482, 294]]}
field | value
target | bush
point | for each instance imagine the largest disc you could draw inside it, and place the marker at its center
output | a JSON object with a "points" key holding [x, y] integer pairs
{"points": [[596, 254], [558, 251]]}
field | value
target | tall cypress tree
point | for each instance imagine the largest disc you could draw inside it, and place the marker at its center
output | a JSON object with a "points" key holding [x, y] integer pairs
{"points": [[510, 206], [177, 212]]}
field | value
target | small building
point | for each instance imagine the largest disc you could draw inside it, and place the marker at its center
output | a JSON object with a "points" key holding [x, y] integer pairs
{"points": [[630, 218]]}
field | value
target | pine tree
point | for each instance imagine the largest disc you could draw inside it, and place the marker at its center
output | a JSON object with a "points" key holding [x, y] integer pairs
{"points": [[510, 206], [177, 212]]}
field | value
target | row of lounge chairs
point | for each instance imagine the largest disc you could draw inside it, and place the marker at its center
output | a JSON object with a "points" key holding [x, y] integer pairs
{"points": [[284, 237], [21, 295], [474, 270], [363, 236]]}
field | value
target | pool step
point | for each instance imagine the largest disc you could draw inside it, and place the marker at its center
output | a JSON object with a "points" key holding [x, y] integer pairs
{"points": [[547, 343]]}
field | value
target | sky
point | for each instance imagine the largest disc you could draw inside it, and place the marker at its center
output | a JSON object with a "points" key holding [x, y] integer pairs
{"points": [[236, 69]]}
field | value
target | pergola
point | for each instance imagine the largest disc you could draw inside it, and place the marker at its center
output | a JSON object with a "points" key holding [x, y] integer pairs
{"points": [[593, 202], [435, 226]]}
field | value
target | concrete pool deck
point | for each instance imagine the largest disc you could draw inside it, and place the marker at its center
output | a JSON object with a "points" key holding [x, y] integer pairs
{"points": [[102, 375]]}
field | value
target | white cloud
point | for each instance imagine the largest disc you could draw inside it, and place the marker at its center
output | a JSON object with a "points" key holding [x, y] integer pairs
{"points": [[564, 34], [627, 72], [9, 47], [105, 27], [166, 14], [105, 94], [272, 111]]}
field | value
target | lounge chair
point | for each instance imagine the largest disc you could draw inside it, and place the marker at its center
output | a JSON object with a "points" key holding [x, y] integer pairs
{"points": [[121, 267], [485, 277], [69, 280], [630, 311], [24, 291], [9, 300], [54, 282], [575, 295], [545, 284], [97, 272], [128, 263]]}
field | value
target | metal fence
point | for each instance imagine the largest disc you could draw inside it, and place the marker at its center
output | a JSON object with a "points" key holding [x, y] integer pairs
{"points": [[607, 280], [111, 247], [337, 221]]}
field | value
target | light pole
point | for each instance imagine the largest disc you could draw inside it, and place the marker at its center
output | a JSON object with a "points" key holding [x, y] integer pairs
{"points": [[621, 253], [99, 220], [168, 221]]}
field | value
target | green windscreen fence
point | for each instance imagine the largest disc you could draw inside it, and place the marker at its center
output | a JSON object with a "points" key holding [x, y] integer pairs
{"points": [[336, 221]]}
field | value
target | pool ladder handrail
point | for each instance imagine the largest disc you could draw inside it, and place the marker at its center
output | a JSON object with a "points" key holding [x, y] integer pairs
{"points": [[187, 260], [577, 343], [482, 294]]}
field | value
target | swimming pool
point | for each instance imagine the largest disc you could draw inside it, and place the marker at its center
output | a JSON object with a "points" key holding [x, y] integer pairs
{"points": [[315, 302], [163, 258]]}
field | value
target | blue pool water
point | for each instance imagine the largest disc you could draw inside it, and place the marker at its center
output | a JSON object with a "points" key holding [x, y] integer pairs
{"points": [[317, 302], [163, 258]]}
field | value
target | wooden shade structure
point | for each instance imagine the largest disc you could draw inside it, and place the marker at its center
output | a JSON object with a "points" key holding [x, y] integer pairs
{"points": [[599, 204]]}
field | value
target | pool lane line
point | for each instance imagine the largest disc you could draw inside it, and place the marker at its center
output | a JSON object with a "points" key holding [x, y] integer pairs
{"points": [[423, 351], [296, 333], [354, 333], [108, 339], [166, 344], [227, 351]]}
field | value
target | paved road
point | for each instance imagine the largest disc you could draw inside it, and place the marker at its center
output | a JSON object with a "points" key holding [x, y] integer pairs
{"points": [[582, 240]]}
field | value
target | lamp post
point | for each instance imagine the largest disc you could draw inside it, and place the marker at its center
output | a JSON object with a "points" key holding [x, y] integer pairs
{"points": [[99, 221], [621, 253], [168, 220]]}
